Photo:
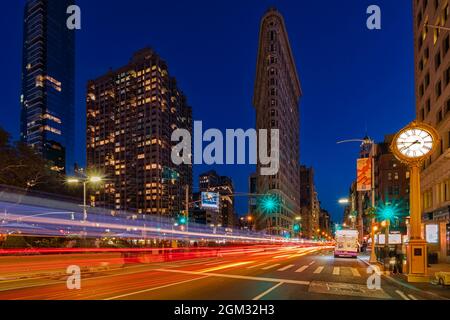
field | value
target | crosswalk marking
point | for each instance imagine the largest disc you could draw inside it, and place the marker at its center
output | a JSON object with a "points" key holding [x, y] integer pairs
{"points": [[272, 266], [412, 297], [286, 268], [336, 271], [319, 270], [401, 294], [302, 269], [312, 263], [355, 272]]}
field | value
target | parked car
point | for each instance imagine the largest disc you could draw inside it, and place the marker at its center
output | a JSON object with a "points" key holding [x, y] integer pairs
{"points": [[443, 278]]}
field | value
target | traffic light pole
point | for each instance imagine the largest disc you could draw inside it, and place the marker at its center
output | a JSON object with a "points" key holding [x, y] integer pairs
{"points": [[187, 208]]}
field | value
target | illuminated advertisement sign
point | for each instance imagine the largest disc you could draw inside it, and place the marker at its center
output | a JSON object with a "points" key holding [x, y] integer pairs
{"points": [[210, 200], [432, 233], [364, 174]]}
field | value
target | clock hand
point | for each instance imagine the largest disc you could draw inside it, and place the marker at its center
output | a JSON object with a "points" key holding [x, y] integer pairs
{"points": [[407, 147]]}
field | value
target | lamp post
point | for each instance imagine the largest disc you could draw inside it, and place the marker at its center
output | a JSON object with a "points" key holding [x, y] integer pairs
{"points": [[85, 181], [368, 141]]}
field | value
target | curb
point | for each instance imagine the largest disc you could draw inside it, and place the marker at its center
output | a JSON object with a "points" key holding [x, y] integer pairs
{"points": [[408, 286]]}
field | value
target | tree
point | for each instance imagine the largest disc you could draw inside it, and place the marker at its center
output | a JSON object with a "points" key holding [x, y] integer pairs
{"points": [[22, 167]]}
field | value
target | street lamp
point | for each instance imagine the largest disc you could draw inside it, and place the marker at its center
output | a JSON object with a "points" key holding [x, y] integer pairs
{"points": [[85, 181], [371, 142]]}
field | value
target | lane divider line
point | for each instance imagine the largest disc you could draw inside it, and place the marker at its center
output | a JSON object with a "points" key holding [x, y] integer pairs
{"points": [[153, 289], [401, 294], [265, 293], [232, 276]]}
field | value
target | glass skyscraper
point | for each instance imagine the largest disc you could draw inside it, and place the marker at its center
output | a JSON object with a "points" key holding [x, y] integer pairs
{"points": [[48, 95]]}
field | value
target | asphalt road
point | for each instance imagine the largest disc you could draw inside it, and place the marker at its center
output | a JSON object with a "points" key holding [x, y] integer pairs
{"points": [[282, 274]]}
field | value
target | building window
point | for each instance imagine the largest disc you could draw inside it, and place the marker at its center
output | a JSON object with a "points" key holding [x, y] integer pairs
{"points": [[437, 60], [446, 45], [439, 117], [445, 13], [428, 199], [438, 89], [447, 76]]}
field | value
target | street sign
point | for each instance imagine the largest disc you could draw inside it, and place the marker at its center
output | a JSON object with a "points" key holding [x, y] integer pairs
{"points": [[210, 200]]}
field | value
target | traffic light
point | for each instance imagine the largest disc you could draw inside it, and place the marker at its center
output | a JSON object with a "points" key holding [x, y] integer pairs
{"points": [[182, 220], [297, 228], [270, 204]]}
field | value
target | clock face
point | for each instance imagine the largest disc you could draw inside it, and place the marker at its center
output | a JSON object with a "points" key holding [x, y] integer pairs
{"points": [[415, 143]]}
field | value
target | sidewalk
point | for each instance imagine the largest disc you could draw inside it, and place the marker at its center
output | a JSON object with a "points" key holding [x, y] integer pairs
{"points": [[433, 290]]}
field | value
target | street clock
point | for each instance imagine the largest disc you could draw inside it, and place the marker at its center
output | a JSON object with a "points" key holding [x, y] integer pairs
{"points": [[412, 145], [415, 143]]}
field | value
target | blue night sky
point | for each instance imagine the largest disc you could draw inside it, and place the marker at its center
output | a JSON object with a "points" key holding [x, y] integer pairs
{"points": [[353, 79]]}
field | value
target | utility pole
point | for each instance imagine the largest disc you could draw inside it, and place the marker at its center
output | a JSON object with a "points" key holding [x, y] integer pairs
{"points": [[187, 207]]}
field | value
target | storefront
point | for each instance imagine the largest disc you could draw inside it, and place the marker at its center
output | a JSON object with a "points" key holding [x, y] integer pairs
{"points": [[436, 231]]}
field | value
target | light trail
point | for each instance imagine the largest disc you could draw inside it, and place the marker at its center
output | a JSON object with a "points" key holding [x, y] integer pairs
{"points": [[159, 232]]}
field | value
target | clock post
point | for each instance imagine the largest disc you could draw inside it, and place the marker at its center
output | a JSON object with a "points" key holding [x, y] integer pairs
{"points": [[417, 246], [412, 145]]}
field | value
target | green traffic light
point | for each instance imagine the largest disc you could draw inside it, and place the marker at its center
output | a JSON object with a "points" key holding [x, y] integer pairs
{"points": [[296, 228], [270, 204], [183, 220]]}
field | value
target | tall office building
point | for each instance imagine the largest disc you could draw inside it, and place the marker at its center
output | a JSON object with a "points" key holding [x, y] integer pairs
{"points": [[310, 205], [276, 100], [432, 78], [211, 182], [48, 72], [131, 115]]}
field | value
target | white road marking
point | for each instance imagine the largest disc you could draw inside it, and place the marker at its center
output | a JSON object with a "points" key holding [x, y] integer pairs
{"points": [[356, 272], [401, 294], [412, 297], [153, 289], [312, 263], [319, 270], [271, 267], [302, 269], [267, 292], [336, 271], [287, 267], [232, 276]]}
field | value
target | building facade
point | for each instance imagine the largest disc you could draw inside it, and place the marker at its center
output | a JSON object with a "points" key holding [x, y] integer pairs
{"points": [[310, 205], [325, 223], [48, 76], [212, 182], [276, 100], [392, 183], [432, 79], [131, 114]]}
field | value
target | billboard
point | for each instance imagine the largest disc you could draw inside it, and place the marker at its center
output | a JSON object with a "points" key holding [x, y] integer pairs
{"points": [[210, 200], [364, 174]]}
